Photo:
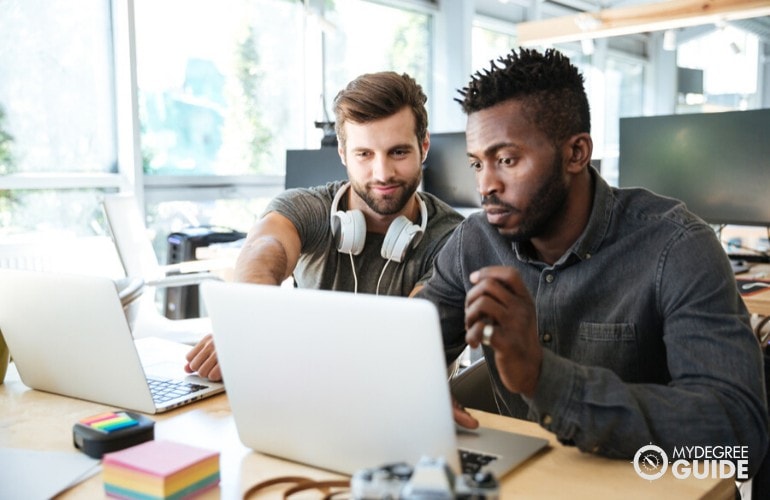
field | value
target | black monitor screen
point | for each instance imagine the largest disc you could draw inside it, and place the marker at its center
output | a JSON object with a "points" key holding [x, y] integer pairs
{"points": [[447, 173], [717, 163], [313, 167]]}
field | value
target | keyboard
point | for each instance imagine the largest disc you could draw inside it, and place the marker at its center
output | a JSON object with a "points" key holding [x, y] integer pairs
{"points": [[165, 390], [473, 462]]}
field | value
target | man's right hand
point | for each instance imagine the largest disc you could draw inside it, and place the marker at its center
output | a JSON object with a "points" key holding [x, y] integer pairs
{"points": [[462, 417], [203, 359]]}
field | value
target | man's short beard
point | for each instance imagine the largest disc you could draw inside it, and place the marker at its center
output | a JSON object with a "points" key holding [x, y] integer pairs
{"points": [[389, 205]]}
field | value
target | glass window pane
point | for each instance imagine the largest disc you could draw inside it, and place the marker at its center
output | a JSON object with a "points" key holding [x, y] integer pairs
{"points": [[399, 40], [74, 211], [729, 60], [220, 85], [489, 45], [56, 87]]}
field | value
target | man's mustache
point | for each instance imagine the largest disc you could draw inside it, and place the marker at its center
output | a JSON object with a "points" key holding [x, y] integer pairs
{"points": [[492, 199]]}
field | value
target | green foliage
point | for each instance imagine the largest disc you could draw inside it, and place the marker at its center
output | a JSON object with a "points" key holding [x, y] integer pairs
{"points": [[250, 77], [6, 141], [411, 33]]}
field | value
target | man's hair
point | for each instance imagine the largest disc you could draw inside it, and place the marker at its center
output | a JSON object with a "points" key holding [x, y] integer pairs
{"points": [[374, 96], [549, 86]]}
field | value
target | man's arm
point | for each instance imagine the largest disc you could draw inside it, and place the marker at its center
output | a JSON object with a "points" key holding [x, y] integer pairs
{"points": [[270, 252], [715, 395], [269, 256]]}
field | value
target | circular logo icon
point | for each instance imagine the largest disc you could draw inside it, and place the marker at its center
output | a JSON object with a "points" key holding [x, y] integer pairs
{"points": [[650, 462]]}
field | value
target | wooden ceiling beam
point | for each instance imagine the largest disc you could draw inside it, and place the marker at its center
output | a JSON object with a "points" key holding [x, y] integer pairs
{"points": [[637, 19]]}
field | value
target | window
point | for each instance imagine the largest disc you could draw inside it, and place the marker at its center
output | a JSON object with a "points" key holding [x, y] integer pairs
{"points": [[728, 58], [614, 84], [57, 116]]}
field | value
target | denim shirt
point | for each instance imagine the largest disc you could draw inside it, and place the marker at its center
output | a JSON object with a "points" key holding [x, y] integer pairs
{"points": [[645, 337]]}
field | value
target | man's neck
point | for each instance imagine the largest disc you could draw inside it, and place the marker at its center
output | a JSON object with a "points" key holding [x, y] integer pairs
{"points": [[570, 224]]}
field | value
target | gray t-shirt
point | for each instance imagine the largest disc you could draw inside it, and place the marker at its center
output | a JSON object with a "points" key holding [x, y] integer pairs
{"points": [[321, 266]]}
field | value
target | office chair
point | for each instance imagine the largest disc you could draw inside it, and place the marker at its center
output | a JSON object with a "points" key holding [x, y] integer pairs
{"points": [[135, 251]]}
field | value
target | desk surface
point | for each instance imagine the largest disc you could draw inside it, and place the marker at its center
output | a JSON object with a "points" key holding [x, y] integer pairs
{"points": [[40, 421], [758, 303]]}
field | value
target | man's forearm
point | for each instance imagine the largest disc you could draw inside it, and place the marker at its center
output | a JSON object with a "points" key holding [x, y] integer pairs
{"points": [[262, 261]]}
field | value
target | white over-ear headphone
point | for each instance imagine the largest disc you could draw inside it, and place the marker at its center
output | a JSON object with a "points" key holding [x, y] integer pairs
{"points": [[349, 230]]}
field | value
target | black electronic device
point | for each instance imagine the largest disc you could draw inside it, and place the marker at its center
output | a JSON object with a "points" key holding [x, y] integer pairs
{"points": [[111, 431], [313, 167], [447, 173], [183, 301], [716, 163], [430, 478]]}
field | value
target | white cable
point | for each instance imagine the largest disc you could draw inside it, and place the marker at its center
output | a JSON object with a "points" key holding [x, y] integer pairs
{"points": [[355, 278], [377, 291]]}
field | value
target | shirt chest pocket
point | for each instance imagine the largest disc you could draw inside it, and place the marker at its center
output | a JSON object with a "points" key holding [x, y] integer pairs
{"points": [[609, 345]]}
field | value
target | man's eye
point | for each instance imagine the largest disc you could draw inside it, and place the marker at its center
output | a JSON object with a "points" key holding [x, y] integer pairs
{"points": [[506, 162], [475, 166], [400, 152]]}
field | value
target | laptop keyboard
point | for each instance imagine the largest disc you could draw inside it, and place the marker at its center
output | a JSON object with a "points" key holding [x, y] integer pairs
{"points": [[473, 462], [166, 390]]}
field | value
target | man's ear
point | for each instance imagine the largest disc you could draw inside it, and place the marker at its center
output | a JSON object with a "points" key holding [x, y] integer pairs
{"points": [[425, 147], [580, 147], [341, 152]]}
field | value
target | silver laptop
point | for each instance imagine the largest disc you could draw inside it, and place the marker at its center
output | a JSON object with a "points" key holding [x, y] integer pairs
{"points": [[68, 335], [342, 381]]}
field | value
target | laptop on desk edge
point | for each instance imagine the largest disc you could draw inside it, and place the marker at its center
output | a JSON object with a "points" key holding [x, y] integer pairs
{"points": [[342, 381], [68, 335]]}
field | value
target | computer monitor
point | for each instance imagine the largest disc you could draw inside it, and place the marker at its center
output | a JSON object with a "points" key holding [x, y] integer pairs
{"points": [[447, 172], [313, 167], [717, 163]]}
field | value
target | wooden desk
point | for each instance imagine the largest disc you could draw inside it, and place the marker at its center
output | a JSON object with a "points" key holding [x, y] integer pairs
{"points": [[36, 420], [758, 303]]}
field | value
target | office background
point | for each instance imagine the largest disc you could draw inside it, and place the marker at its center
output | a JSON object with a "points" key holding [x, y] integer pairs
{"points": [[192, 104]]}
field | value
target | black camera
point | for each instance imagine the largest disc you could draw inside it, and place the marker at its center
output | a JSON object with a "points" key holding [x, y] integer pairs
{"points": [[430, 478]]}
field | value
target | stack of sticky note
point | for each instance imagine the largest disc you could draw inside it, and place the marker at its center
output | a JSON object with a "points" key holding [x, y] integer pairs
{"points": [[160, 469]]}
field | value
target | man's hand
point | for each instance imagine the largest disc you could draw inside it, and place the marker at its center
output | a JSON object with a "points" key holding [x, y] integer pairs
{"points": [[203, 359], [462, 417], [501, 303]]}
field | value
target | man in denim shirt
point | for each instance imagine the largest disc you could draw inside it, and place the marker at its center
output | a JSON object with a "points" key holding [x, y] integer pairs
{"points": [[610, 316]]}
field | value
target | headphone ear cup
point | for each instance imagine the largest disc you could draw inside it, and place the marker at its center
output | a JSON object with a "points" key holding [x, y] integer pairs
{"points": [[349, 231], [399, 238]]}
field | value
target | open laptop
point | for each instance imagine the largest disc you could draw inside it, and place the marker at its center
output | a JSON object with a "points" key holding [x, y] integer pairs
{"points": [[68, 335], [342, 381]]}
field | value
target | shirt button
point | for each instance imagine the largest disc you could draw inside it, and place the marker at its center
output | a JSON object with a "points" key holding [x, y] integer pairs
{"points": [[549, 278], [547, 419], [588, 256], [546, 337], [595, 449]]}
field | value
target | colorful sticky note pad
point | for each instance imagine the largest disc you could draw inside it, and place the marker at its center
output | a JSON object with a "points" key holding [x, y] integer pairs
{"points": [[110, 421], [160, 470]]}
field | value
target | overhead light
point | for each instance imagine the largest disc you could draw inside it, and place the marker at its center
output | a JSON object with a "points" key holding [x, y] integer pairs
{"points": [[669, 40]]}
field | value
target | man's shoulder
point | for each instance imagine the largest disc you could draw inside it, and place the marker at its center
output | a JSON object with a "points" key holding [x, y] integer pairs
{"points": [[646, 206]]}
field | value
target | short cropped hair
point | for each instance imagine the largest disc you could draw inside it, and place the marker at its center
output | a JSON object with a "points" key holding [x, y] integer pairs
{"points": [[374, 96], [549, 86]]}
